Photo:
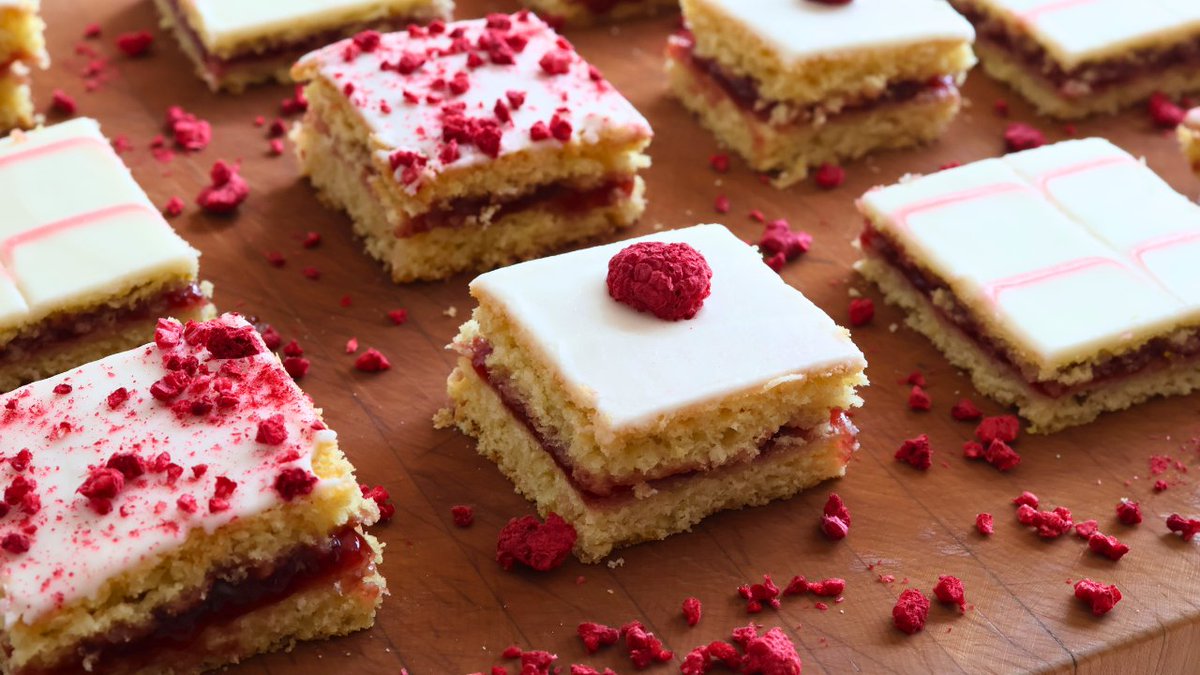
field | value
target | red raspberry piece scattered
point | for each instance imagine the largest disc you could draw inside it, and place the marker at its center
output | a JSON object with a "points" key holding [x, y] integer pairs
{"points": [[1086, 529], [464, 516], [862, 310], [1107, 546], [692, 611], [916, 379], [644, 648], [351, 345], [511, 652], [1188, 528], [670, 281], [1001, 456], [1001, 107], [1160, 486], [722, 204], [771, 653], [100, 487], [294, 482], [1028, 499], [227, 191], [829, 176], [557, 62], [972, 450], [21, 487], [135, 44], [835, 521], [540, 546], [949, 590], [62, 102], [170, 387], [778, 239], [918, 399], [797, 586], [372, 361], [92, 31], [117, 398], [15, 542], [311, 273], [597, 635], [272, 431], [21, 461], [580, 669], [63, 389], [539, 131], [756, 595], [1049, 524], [1164, 112], [965, 411], [296, 366], [1002, 427], [293, 348], [828, 588], [1019, 136], [190, 132], [538, 663], [1129, 513], [228, 342], [383, 500], [173, 208], [916, 452], [1099, 597], [911, 611], [295, 105], [129, 464], [985, 524], [398, 317], [719, 163]]}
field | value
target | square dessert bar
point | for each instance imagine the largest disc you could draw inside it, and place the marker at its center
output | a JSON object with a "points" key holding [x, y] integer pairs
{"points": [[87, 263], [176, 508], [1189, 138], [237, 43], [1076, 58], [1063, 279], [792, 84], [21, 46], [633, 428], [470, 145], [587, 12]]}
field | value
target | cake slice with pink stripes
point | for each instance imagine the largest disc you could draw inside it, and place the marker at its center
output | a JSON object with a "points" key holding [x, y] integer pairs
{"points": [[1063, 279], [87, 263]]}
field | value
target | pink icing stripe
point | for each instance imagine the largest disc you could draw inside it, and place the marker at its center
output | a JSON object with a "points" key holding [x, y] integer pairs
{"points": [[1159, 243], [50, 149], [902, 216], [1031, 15], [1082, 167], [994, 289], [12, 243]]}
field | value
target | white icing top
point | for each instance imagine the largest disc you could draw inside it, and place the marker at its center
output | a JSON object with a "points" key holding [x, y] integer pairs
{"points": [[75, 549], [226, 22], [1076, 31], [405, 112], [1073, 248], [77, 231], [801, 29], [753, 332]]}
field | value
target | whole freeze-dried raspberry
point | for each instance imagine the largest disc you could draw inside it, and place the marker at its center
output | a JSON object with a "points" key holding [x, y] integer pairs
{"points": [[949, 589], [1129, 512], [862, 310], [227, 191], [1188, 528], [916, 452], [1019, 136], [540, 546], [1107, 546], [772, 652], [985, 524], [911, 611], [670, 281], [1100, 598], [597, 635]]}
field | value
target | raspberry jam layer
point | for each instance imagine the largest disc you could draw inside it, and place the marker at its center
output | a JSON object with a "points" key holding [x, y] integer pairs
{"points": [[560, 198], [1083, 80], [600, 493], [744, 91], [176, 633], [1158, 353], [67, 327]]}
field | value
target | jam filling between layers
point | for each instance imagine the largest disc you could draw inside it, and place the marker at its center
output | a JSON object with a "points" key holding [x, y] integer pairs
{"points": [[67, 327], [610, 493], [1156, 353], [1085, 79], [604, 6], [744, 91], [178, 630]]}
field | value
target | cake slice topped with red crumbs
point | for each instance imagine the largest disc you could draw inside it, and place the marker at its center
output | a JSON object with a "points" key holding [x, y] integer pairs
{"points": [[180, 503]]}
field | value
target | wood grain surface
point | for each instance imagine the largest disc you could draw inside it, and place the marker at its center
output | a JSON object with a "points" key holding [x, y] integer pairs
{"points": [[452, 609]]}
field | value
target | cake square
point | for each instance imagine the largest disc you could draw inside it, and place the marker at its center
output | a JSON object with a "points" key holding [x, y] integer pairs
{"points": [[1189, 138], [633, 428], [87, 263], [792, 85], [589, 12], [237, 43], [469, 145], [1063, 279], [176, 508], [1083, 57]]}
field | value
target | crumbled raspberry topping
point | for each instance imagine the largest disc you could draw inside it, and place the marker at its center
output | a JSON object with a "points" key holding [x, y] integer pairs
{"points": [[227, 191], [918, 399], [1129, 512], [1086, 529], [463, 515], [63, 103], [692, 611], [372, 361], [722, 204], [779, 239], [670, 281], [835, 521], [382, 499], [911, 611], [1026, 499], [173, 207], [1000, 428], [829, 176], [949, 589], [1100, 598], [100, 488], [756, 595], [1048, 524], [771, 653], [985, 524], [1188, 528], [644, 648], [272, 431], [296, 366], [15, 543], [294, 482], [191, 133], [862, 310], [1019, 136], [136, 43], [916, 452], [1107, 546], [965, 411], [596, 635], [539, 546], [398, 317], [719, 163]]}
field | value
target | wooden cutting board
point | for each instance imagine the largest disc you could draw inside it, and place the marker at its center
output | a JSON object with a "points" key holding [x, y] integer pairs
{"points": [[452, 609]]}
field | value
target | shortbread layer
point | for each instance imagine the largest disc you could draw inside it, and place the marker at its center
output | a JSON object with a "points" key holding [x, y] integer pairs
{"points": [[588, 12], [16, 101], [21, 33]]}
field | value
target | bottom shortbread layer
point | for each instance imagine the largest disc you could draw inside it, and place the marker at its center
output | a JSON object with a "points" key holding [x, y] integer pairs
{"points": [[647, 515], [1004, 384], [792, 149]]}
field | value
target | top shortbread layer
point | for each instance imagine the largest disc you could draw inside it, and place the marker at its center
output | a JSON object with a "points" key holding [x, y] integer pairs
{"points": [[1066, 252], [178, 421], [451, 97], [753, 333], [227, 27], [77, 231], [1075, 32], [806, 52]]}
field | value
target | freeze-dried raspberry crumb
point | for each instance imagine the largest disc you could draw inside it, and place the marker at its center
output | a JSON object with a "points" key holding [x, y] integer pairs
{"points": [[351, 345], [719, 163], [1160, 486], [916, 452], [917, 379], [756, 595], [372, 361], [1107, 546], [835, 520], [972, 450], [985, 524], [100, 487], [965, 411], [1001, 427], [722, 204], [21, 461], [129, 464], [296, 366], [1019, 136], [538, 663], [293, 348], [1001, 456], [1164, 112], [1100, 598], [21, 487], [1048, 524], [511, 652], [463, 515], [135, 44], [382, 499], [173, 208], [949, 589], [597, 635], [1188, 528], [670, 281], [644, 648], [295, 105], [15, 542], [1086, 529], [540, 546], [580, 669], [918, 399], [779, 238], [862, 310], [829, 176], [92, 31], [1129, 512], [692, 611], [1000, 107], [771, 653], [557, 62], [272, 431], [228, 342], [827, 588], [117, 398], [1027, 498], [190, 132], [62, 102], [911, 611], [227, 191], [63, 389], [294, 482], [311, 273], [398, 317]]}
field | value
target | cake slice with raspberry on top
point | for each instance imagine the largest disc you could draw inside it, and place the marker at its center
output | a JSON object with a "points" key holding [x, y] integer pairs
{"points": [[469, 145], [176, 508], [633, 389], [588, 12], [22, 46]]}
